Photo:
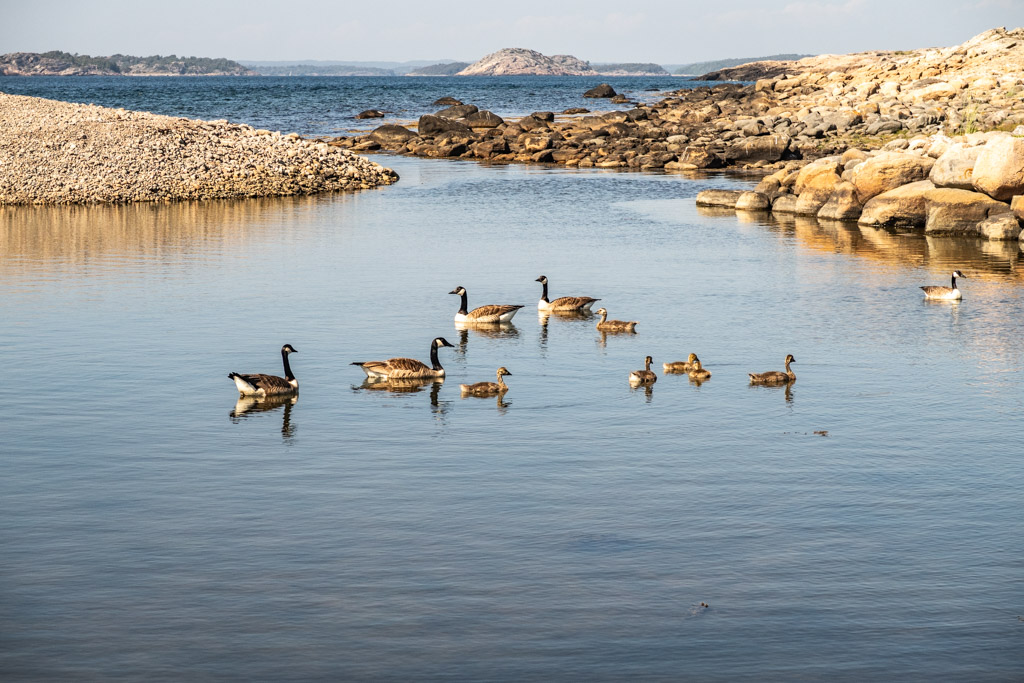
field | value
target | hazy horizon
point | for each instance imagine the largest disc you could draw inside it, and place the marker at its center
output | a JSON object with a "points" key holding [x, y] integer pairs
{"points": [[661, 32]]}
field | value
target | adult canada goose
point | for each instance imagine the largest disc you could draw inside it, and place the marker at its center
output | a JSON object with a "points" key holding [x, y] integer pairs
{"points": [[949, 293], [680, 366], [492, 313], [405, 368], [563, 303], [775, 377], [644, 376], [268, 385], [487, 388], [606, 325], [697, 371]]}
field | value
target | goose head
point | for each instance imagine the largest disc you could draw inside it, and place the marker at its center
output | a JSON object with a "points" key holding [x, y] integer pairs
{"points": [[692, 357], [288, 348], [648, 360], [543, 279], [460, 290], [504, 371], [441, 341], [957, 273], [790, 359], [602, 311]]}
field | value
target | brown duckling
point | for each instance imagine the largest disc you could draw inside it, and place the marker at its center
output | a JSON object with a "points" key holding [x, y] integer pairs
{"points": [[644, 376], [487, 388], [697, 372], [680, 366], [774, 376], [606, 325]]}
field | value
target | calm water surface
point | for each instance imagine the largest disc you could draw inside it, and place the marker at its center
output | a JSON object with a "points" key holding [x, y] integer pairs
{"points": [[153, 529]]}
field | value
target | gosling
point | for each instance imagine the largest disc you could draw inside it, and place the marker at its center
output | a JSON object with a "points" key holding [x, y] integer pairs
{"points": [[697, 373], [487, 388], [645, 376], [775, 377], [605, 325], [680, 366]]}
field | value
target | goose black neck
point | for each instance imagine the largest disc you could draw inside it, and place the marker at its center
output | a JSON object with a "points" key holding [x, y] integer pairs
{"points": [[952, 283], [544, 295], [287, 368], [465, 304], [433, 358]]}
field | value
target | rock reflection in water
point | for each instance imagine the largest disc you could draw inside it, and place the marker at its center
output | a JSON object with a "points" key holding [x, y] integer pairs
{"points": [[249, 406]]}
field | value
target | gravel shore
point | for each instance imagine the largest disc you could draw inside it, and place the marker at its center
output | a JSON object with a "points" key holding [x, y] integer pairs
{"points": [[55, 152]]}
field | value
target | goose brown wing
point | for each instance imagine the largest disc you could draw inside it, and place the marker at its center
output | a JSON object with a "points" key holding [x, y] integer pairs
{"points": [[572, 301], [405, 367], [268, 383], [488, 312], [935, 289]]}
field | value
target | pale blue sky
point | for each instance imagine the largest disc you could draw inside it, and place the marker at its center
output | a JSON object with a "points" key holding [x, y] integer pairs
{"points": [[661, 31]]}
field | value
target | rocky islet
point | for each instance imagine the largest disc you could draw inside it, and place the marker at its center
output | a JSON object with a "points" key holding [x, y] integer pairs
{"points": [[949, 117]]}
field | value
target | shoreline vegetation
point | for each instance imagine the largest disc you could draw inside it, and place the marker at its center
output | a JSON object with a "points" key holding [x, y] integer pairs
{"points": [[926, 139], [62, 153]]}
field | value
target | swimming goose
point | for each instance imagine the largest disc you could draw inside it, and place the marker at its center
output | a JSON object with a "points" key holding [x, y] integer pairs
{"points": [[697, 371], [606, 325], [775, 377], [680, 366], [949, 293], [268, 385], [563, 303], [487, 388], [492, 313], [644, 376], [405, 368]]}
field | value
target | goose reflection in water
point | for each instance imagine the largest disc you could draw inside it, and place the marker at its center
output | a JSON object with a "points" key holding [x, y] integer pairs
{"points": [[543, 317], [248, 406], [648, 390], [486, 330]]}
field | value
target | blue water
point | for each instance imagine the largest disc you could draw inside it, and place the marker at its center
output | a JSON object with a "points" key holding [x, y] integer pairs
{"points": [[864, 524], [326, 106]]}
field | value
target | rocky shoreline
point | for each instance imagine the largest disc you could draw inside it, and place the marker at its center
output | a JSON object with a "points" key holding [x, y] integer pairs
{"points": [[62, 153], [806, 128]]}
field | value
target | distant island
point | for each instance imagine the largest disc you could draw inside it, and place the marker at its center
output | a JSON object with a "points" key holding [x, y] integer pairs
{"points": [[446, 69], [630, 69], [699, 68], [517, 61], [56, 63]]}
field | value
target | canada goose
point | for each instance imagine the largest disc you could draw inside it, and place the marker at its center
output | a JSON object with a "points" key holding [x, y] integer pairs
{"points": [[564, 303], [697, 371], [405, 368], [680, 366], [949, 293], [268, 385], [775, 377], [606, 325], [492, 313], [487, 388], [644, 376]]}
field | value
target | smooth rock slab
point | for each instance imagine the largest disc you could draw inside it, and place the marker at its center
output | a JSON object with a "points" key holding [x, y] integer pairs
{"points": [[901, 207], [958, 212], [726, 198], [887, 171]]}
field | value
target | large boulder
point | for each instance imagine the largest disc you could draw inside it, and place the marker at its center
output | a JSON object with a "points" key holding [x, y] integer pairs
{"points": [[753, 201], [770, 148], [784, 203], [727, 198], [955, 168], [1001, 227], [694, 157], [435, 125], [887, 171], [958, 212], [901, 207], [458, 111], [999, 170], [843, 205], [391, 135], [603, 90], [370, 114], [483, 119], [815, 184]]}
